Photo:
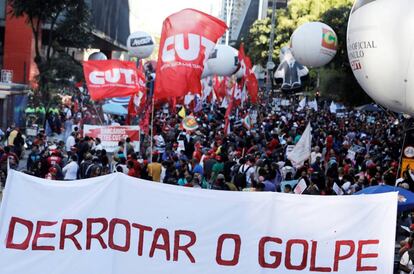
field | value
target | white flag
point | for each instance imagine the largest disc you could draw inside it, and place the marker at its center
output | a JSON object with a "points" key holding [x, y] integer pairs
{"points": [[207, 89], [302, 150], [337, 189], [333, 107], [225, 102], [300, 187], [302, 104], [188, 99], [313, 104]]}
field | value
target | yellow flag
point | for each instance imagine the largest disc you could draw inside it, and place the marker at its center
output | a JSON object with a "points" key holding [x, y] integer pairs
{"points": [[181, 113]]}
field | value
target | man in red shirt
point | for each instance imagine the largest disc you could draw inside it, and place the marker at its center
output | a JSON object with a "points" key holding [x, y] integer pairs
{"points": [[55, 158], [131, 169], [197, 154], [11, 156]]}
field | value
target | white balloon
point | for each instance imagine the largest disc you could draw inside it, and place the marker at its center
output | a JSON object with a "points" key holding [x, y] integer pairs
{"points": [[206, 72], [140, 44], [223, 61], [241, 71], [314, 44], [97, 56], [380, 44]]}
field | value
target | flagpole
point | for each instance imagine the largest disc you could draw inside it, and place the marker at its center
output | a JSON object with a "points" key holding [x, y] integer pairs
{"points": [[98, 114], [152, 129]]}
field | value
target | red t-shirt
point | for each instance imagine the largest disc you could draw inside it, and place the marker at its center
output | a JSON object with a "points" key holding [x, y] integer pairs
{"points": [[131, 172], [273, 144], [54, 160], [197, 155]]}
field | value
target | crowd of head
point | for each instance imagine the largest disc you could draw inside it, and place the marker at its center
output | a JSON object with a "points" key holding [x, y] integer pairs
{"points": [[349, 151]]}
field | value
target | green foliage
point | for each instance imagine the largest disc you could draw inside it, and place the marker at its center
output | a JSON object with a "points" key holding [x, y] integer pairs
{"points": [[287, 20], [341, 86], [75, 30], [336, 79]]}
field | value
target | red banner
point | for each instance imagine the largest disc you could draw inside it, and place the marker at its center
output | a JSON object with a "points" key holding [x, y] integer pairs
{"points": [[111, 135], [187, 39], [111, 78]]}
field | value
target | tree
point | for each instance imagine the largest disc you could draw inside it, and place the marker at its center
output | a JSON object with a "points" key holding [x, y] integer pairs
{"points": [[337, 81], [68, 24], [297, 13]]}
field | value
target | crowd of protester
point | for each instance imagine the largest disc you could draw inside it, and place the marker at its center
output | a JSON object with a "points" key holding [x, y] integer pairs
{"points": [[350, 150], [346, 150]]}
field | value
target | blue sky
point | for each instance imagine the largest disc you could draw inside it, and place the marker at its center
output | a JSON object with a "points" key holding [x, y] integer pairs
{"points": [[148, 15]]}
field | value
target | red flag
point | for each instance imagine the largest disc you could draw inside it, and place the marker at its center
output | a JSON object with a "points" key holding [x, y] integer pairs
{"points": [[110, 78], [252, 86], [237, 94], [144, 123], [187, 39], [138, 101], [242, 62], [249, 78], [222, 89], [173, 104]]}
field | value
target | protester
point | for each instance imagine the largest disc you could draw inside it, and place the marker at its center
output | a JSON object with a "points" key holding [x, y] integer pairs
{"points": [[71, 169]]}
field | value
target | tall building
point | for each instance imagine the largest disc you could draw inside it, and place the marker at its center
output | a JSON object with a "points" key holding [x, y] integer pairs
{"points": [[232, 12], [267, 4], [241, 14]]}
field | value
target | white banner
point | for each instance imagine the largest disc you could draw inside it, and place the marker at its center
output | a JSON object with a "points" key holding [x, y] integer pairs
{"points": [[117, 224], [111, 135]]}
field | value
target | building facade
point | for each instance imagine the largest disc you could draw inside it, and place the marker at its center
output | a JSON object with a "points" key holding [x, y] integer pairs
{"points": [[241, 14], [111, 21]]}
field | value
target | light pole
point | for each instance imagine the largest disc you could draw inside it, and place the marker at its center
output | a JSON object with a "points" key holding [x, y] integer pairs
{"points": [[270, 64], [229, 10]]}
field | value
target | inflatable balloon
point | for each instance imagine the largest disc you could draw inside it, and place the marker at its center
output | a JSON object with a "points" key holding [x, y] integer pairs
{"points": [[97, 56], [314, 44], [140, 44], [290, 73], [241, 71], [206, 72], [223, 61], [380, 45]]}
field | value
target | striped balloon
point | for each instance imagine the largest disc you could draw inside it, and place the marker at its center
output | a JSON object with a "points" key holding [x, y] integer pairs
{"points": [[119, 101]]}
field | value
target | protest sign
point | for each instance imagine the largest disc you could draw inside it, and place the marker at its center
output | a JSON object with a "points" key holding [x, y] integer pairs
{"points": [[111, 135], [407, 157]]}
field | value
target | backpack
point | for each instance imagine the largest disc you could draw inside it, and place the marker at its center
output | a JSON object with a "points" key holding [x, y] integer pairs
{"points": [[240, 178]]}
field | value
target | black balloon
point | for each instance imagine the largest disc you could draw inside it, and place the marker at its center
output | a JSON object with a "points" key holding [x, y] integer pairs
{"points": [[290, 73]]}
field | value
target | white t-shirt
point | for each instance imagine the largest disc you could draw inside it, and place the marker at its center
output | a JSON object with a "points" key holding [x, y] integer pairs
{"points": [[70, 171], [405, 260], [315, 154], [70, 142], [98, 147], [68, 113]]}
